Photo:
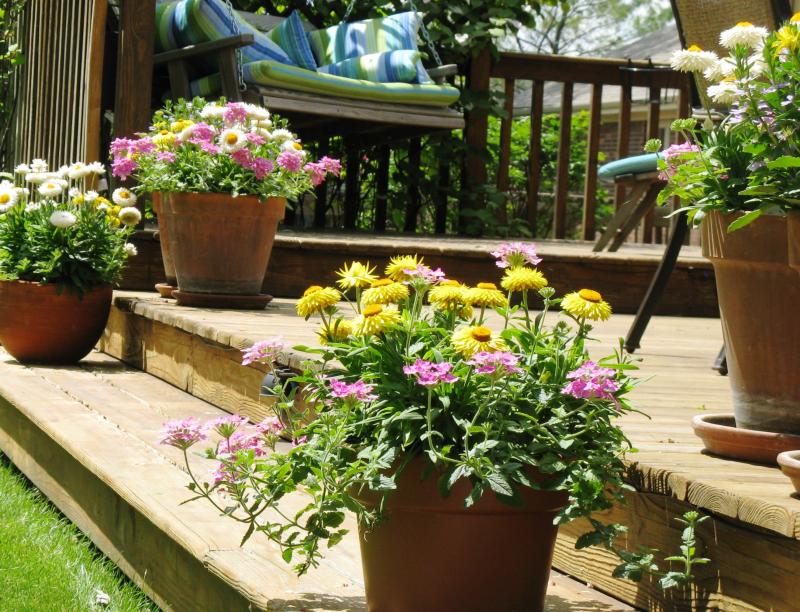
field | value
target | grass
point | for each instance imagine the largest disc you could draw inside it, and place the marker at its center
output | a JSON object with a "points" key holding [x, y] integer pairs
{"points": [[47, 564]]}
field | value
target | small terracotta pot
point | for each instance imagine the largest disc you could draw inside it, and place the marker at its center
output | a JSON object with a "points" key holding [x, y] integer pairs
{"points": [[758, 295], [722, 437], [434, 554], [220, 244], [39, 325], [166, 254], [790, 465]]}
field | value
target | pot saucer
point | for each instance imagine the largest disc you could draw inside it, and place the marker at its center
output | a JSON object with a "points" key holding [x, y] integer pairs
{"points": [[165, 289], [219, 300], [721, 437], [790, 465]]}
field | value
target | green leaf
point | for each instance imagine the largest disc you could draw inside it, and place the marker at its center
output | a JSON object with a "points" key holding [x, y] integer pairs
{"points": [[758, 190], [745, 220], [499, 484], [784, 161]]}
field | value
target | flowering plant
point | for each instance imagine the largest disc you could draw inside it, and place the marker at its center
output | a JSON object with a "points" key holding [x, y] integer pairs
{"points": [[54, 228], [425, 366], [748, 162], [230, 147]]}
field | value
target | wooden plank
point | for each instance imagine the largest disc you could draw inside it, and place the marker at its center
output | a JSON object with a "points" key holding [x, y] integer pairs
{"points": [[505, 150], [623, 137], [535, 156], [562, 163], [592, 153], [653, 115]]}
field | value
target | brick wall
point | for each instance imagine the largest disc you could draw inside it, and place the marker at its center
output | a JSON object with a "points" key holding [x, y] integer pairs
{"points": [[608, 139]]}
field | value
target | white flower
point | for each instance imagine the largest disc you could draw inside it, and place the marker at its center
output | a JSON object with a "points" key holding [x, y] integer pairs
{"points": [[123, 197], [35, 177], [264, 133], [74, 192], [4, 208], [8, 194], [693, 59], [102, 207], [22, 169], [62, 172], [282, 135], [90, 196], [721, 70], [212, 111], [257, 113], [22, 192], [130, 249], [38, 165], [231, 140], [757, 65], [96, 168], [130, 215], [263, 124], [63, 219], [726, 92], [293, 145], [32, 206], [51, 189], [743, 33], [78, 170]]}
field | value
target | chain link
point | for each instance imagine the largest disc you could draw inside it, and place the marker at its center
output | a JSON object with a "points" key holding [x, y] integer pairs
{"points": [[426, 35], [236, 30]]}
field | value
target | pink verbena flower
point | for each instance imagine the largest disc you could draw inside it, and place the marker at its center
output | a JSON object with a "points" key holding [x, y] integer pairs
{"points": [[430, 374], [499, 363], [298, 441], [334, 166], [244, 440], [201, 132], [120, 146], [226, 425], [290, 160], [516, 254], [590, 381], [256, 139], [261, 167], [265, 351], [166, 156], [142, 146], [427, 274], [209, 147], [358, 390], [243, 157], [316, 172], [676, 155], [235, 112], [270, 426], [183, 434], [123, 167]]}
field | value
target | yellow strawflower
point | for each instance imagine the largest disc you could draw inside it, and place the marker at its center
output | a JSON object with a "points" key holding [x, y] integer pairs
{"points": [[384, 291], [316, 299], [795, 18], [355, 276], [788, 37], [338, 331], [164, 139], [180, 125], [487, 295], [399, 263], [523, 279], [586, 304], [475, 339], [375, 319], [449, 295]]}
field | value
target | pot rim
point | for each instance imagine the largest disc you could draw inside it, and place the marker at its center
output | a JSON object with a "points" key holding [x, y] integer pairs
{"points": [[790, 460], [241, 196], [65, 285], [709, 423]]}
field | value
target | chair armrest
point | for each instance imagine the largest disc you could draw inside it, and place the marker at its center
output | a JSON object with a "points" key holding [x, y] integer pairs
{"points": [[440, 73], [231, 42]]}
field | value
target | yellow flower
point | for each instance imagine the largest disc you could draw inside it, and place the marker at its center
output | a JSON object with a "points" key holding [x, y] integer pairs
{"points": [[795, 18], [402, 262], [316, 299], [77, 200], [356, 275], [375, 319], [487, 295], [523, 279], [471, 340], [788, 37], [337, 332], [586, 304], [164, 139], [180, 125], [449, 295], [384, 291]]}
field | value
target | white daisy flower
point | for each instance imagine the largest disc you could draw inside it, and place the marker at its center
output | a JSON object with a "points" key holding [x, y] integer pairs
{"points": [[22, 192], [256, 113], [131, 250], [212, 111], [102, 207], [264, 124], [743, 33], [757, 65], [78, 170], [74, 192], [8, 194], [96, 168], [32, 206], [130, 215], [22, 169], [4, 208], [231, 140], [721, 70], [50, 189], [282, 135], [293, 145], [62, 172], [693, 59], [264, 133], [726, 92], [36, 178], [90, 196], [38, 165], [123, 197], [63, 219]]}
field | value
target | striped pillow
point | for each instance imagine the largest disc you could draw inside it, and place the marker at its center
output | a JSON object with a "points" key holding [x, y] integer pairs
{"points": [[198, 21], [165, 29], [348, 40], [291, 37], [388, 67]]}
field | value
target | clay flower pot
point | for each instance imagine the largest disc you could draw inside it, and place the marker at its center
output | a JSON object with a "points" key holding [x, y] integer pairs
{"points": [[171, 281], [758, 295], [790, 465], [220, 246], [434, 554], [40, 325], [721, 437]]}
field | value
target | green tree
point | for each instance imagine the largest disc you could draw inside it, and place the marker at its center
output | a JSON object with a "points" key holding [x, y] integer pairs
{"points": [[10, 57]]}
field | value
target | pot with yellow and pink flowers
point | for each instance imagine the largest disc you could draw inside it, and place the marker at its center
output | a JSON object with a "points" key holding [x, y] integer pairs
{"points": [[221, 175]]}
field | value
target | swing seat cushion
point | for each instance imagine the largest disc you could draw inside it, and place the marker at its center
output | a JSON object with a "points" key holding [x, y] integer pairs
{"points": [[389, 67], [290, 36], [638, 164], [274, 74]]}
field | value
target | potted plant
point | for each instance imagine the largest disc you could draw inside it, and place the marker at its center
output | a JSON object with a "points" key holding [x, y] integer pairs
{"points": [[738, 179], [458, 429], [221, 174], [62, 246]]}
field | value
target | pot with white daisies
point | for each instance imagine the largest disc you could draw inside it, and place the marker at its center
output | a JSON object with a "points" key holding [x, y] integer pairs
{"points": [[459, 430], [223, 173], [62, 247]]}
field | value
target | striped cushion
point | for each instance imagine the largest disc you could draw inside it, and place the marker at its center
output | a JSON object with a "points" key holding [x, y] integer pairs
{"points": [[198, 21], [165, 29], [274, 74], [291, 37], [636, 164], [349, 40], [389, 67], [207, 86]]}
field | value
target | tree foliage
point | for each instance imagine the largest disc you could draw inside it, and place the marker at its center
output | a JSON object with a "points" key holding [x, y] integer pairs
{"points": [[10, 57]]}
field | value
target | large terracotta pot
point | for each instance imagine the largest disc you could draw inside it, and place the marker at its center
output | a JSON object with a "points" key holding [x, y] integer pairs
{"points": [[220, 244], [40, 325], [434, 554], [166, 253], [758, 296]]}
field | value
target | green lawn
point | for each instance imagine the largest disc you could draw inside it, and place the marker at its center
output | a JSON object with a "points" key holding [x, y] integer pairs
{"points": [[46, 563]]}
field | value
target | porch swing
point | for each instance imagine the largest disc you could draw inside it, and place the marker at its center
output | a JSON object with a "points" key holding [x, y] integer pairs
{"points": [[319, 105]]}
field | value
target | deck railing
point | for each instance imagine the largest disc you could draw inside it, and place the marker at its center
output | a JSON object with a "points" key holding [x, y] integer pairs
{"points": [[514, 68]]}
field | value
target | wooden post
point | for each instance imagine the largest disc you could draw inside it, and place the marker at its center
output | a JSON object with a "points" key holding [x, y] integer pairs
{"points": [[382, 188], [352, 186], [321, 192], [94, 97], [652, 132], [442, 192], [562, 167], [535, 155], [623, 136], [477, 126], [414, 199], [505, 150], [592, 150]]}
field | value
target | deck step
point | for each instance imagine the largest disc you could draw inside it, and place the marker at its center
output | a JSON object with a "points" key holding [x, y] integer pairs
{"points": [[87, 436]]}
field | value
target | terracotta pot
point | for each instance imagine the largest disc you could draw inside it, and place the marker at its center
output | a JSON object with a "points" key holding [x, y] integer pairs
{"points": [[721, 437], [39, 325], [163, 239], [758, 295], [220, 244], [434, 554], [790, 465]]}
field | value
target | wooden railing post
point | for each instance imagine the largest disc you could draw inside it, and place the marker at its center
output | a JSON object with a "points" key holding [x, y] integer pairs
{"points": [[321, 191], [592, 153], [653, 116], [477, 127], [382, 188], [535, 156], [414, 198], [562, 169], [352, 186], [623, 135], [505, 150]]}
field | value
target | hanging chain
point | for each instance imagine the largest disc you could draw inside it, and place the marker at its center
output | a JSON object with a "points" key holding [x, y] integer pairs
{"points": [[426, 35], [236, 30], [349, 10]]}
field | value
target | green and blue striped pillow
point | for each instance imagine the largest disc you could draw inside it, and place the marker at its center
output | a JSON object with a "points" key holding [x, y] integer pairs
{"points": [[387, 67], [165, 29], [290, 36]]}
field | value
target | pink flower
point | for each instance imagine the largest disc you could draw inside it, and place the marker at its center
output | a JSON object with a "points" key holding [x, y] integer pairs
{"points": [[675, 155], [166, 156], [265, 351], [270, 426], [516, 254], [430, 374], [209, 147], [590, 381], [201, 132], [143, 146], [424, 272], [334, 166], [256, 139], [317, 173], [290, 160], [123, 167], [262, 166], [500, 363], [235, 111], [245, 441], [298, 441], [243, 157], [358, 390], [183, 434], [120, 146], [227, 425]]}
